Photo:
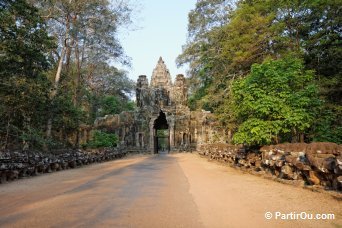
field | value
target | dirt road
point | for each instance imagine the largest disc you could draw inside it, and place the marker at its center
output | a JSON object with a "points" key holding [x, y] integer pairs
{"points": [[181, 190]]}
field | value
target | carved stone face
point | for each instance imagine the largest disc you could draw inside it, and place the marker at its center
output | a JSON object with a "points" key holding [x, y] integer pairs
{"points": [[161, 76], [180, 80], [142, 81]]}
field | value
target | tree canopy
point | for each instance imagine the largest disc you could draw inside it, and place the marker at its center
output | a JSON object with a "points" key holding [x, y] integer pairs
{"points": [[223, 45], [276, 99], [57, 70], [269, 70]]}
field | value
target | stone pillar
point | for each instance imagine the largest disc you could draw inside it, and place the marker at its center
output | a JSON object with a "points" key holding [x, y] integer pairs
{"points": [[123, 131], [137, 140], [142, 141], [172, 135], [196, 138], [152, 134]]}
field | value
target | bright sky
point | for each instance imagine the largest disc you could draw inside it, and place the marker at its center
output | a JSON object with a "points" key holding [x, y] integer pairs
{"points": [[162, 32]]}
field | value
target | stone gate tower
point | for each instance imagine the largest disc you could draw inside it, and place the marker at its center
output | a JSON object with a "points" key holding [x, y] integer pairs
{"points": [[164, 103], [162, 116]]}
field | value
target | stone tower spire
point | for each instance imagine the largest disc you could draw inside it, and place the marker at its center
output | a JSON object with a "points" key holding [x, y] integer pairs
{"points": [[161, 76]]}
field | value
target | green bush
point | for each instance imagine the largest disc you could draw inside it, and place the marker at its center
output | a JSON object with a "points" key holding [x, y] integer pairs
{"points": [[34, 138], [103, 139], [278, 98], [110, 105]]}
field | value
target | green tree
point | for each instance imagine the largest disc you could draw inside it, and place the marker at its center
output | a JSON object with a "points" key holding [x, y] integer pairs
{"points": [[102, 139], [325, 128], [24, 40], [207, 16], [24, 45], [110, 105], [322, 40], [87, 31], [105, 79], [109, 91], [278, 101], [226, 51], [221, 48]]}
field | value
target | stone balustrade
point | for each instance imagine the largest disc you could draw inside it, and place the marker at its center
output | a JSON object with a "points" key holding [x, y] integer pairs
{"points": [[318, 164], [20, 164]]}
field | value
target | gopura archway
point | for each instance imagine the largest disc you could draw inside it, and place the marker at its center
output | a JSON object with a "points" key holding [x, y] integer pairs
{"points": [[162, 120], [161, 134]]}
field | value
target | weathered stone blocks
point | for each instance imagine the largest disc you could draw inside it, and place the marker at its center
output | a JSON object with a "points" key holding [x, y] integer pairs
{"points": [[20, 164], [314, 163]]}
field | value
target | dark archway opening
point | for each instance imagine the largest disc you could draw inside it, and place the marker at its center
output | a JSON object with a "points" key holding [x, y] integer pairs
{"points": [[161, 134]]}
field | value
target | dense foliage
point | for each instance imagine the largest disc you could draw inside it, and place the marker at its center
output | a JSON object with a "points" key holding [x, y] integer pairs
{"points": [[102, 139], [276, 100], [24, 44], [54, 69], [270, 70], [222, 48], [113, 105]]}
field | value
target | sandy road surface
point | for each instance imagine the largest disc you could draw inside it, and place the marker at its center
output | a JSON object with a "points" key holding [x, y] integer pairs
{"points": [[181, 190]]}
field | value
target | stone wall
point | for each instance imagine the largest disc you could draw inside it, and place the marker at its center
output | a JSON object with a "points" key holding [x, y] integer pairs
{"points": [[21, 164], [317, 164]]}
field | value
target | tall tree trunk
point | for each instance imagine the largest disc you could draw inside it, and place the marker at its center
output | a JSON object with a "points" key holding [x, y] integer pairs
{"points": [[27, 128], [54, 91], [294, 136], [58, 77], [7, 132], [77, 87], [77, 97], [68, 57], [78, 76]]}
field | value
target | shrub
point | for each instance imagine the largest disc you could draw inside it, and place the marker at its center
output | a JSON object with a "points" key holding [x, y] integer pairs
{"points": [[103, 139], [278, 98]]}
